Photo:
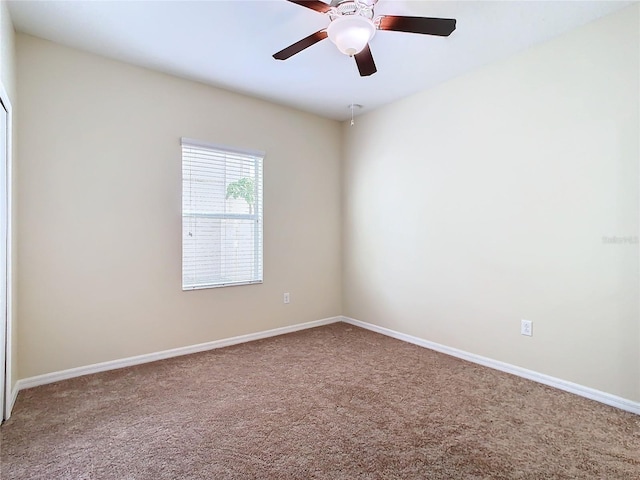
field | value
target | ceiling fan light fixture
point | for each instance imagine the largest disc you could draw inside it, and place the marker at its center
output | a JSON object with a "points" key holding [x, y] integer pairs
{"points": [[351, 33]]}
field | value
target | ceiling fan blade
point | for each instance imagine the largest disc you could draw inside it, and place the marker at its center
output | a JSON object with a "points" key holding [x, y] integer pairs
{"points": [[316, 5], [364, 60], [425, 25], [300, 45]]}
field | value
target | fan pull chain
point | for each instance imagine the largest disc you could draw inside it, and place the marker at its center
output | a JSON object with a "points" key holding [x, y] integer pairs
{"points": [[352, 107]]}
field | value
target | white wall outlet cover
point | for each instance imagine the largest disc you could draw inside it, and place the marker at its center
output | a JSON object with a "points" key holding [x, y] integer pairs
{"points": [[286, 298], [526, 327]]}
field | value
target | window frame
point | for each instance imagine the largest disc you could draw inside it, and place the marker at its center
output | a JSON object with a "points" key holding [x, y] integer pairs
{"points": [[257, 216]]}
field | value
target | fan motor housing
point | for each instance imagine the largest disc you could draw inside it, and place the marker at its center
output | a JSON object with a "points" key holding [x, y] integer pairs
{"points": [[341, 8]]}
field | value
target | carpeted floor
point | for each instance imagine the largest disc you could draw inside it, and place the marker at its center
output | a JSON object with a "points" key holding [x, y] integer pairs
{"points": [[334, 402]]}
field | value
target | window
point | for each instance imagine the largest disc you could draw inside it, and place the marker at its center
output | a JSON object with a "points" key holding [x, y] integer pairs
{"points": [[221, 216]]}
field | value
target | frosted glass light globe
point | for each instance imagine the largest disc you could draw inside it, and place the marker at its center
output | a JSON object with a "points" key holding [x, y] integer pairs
{"points": [[351, 33]]}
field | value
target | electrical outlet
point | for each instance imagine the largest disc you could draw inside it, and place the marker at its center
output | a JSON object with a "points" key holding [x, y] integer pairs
{"points": [[286, 297], [526, 327]]}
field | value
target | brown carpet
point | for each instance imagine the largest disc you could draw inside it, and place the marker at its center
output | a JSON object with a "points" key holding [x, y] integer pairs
{"points": [[334, 402]]}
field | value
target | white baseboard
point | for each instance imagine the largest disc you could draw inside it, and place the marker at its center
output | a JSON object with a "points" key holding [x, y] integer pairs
{"points": [[581, 390], [152, 357], [587, 392]]}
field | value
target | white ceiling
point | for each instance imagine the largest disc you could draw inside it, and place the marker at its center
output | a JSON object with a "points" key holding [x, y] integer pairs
{"points": [[230, 44]]}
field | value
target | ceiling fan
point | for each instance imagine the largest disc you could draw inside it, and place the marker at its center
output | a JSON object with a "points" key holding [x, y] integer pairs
{"points": [[353, 25]]}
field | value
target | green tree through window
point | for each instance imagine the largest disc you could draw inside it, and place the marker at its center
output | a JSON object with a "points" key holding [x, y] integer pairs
{"points": [[243, 188]]}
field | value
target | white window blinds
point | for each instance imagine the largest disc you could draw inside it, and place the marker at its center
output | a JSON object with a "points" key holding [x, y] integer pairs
{"points": [[221, 216]]}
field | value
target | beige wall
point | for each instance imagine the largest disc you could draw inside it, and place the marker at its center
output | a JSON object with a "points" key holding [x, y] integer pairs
{"points": [[100, 211], [8, 79], [484, 201]]}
